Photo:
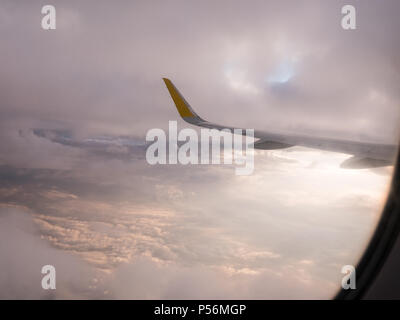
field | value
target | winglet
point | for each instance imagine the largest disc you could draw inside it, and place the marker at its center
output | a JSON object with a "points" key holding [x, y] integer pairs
{"points": [[184, 109]]}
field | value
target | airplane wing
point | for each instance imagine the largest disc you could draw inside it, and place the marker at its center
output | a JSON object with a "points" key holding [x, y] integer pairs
{"points": [[364, 154]]}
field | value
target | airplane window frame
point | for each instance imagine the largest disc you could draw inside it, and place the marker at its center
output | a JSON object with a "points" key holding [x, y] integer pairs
{"points": [[381, 243]]}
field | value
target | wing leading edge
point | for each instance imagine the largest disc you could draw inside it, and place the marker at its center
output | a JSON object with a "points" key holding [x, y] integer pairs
{"points": [[365, 154]]}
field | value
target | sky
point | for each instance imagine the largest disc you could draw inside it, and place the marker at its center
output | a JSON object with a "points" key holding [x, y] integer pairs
{"points": [[76, 104]]}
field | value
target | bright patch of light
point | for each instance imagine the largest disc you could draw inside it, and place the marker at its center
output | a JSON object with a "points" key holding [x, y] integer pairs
{"points": [[377, 97], [282, 73], [238, 81]]}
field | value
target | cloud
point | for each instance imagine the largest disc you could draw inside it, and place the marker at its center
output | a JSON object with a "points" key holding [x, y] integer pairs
{"points": [[166, 224], [106, 78], [24, 253], [148, 280]]}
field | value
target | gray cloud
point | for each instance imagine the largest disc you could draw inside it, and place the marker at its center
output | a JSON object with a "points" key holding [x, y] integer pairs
{"points": [[23, 256], [105, 77]]}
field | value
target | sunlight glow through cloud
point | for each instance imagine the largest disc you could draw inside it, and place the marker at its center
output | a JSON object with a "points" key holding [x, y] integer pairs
{"points": [[237, 79], [282, 73]]}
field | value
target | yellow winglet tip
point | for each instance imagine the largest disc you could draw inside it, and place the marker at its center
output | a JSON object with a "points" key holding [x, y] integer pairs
{"points": [[179, 101]]}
